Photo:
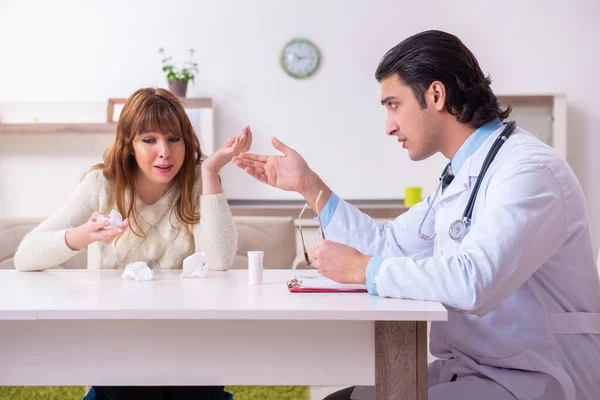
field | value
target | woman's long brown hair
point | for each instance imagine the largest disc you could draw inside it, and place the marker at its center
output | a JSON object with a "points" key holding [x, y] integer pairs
{"points": [[151, 110]]}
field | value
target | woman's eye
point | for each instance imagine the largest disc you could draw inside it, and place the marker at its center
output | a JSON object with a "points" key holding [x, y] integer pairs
{"points": [[150, 141], [174, 139]]}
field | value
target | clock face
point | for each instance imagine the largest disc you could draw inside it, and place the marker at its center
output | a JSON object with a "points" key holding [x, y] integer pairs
{"points": [[300, 58]]}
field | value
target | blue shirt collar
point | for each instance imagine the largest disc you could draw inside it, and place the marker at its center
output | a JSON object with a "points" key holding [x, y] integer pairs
{"points": [[472, 143]]}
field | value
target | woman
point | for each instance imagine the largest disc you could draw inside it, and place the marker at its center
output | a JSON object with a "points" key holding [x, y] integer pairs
{"points": [[156, 176]]}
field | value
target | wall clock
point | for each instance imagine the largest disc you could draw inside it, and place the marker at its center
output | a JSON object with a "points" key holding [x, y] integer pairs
{"points": [[300, 58]]}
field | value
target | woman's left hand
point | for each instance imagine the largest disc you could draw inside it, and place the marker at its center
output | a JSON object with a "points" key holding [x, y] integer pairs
{"points": [[234, 147]]}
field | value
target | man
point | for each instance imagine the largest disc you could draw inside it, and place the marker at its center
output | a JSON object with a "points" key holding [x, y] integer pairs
{"points": [[516, 272]]}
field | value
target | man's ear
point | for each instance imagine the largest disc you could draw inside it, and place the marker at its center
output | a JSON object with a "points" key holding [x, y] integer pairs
{"points": [[437, 91]]}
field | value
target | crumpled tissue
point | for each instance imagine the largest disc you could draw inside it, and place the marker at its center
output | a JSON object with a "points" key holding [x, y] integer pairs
{"points": [[195, 266], [114, 217], [138, 271]]}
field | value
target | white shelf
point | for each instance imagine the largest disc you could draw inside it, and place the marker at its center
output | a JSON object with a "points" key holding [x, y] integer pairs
{"points": [[544, 115]]}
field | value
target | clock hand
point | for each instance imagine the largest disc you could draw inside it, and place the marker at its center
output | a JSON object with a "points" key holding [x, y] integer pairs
{"points": [[294, 55]]}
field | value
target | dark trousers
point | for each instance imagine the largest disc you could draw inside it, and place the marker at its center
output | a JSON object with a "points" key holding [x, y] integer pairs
{"points": [[343, 394], [159, 392]]}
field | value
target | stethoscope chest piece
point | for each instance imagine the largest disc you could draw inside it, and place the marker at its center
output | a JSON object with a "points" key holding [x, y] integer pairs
{"points": [[457, 230]]}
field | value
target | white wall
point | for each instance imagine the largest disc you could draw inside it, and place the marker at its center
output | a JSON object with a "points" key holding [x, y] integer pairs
{"points": [[63, 51]]}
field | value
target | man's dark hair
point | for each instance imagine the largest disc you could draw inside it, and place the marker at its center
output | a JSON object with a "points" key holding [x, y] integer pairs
{"points": [[439, 56]]}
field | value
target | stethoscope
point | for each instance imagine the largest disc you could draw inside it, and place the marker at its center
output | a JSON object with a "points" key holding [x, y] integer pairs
{"points": [[459, 228]]}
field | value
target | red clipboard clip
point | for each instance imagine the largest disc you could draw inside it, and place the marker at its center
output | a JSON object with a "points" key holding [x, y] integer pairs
{"points": [[294, 283]]}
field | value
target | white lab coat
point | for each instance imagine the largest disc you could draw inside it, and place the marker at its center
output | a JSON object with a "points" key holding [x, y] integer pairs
{"points": [[522, 288]]}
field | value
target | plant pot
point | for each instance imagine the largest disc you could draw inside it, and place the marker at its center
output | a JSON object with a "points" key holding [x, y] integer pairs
{"points": [[178, 88]]}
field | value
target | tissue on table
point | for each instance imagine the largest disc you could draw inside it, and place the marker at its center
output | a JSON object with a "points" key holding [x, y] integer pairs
{"points": [[114, 217], [138, 271], [195, 266]]}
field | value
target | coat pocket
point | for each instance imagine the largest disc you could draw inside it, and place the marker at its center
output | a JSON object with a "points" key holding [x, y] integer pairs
{"points": [[516, 374]]}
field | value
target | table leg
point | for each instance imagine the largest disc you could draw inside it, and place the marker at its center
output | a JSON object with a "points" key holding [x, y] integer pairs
{"points": [[401, 360]]}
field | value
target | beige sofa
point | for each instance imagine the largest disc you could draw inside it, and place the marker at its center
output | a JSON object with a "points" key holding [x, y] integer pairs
{"points": [[276, 236]]}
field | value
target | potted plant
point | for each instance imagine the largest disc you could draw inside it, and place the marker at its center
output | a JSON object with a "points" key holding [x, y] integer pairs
{"points": [[178, 78]]}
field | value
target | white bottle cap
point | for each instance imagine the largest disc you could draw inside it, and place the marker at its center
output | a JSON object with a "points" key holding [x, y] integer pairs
{"points": [[256, 254]]}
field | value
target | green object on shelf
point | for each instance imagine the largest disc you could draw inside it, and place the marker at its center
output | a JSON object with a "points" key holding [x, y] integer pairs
{"points": [[77, 392]]}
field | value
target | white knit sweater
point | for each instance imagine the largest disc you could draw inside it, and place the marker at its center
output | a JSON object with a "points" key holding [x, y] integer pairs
{"points": [[166, 244]]}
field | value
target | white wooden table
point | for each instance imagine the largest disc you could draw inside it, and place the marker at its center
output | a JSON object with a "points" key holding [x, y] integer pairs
{"points": [[81, 327]]}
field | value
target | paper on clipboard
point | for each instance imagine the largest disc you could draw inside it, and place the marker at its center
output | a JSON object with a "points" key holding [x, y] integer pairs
{"points": [[320, 284]]}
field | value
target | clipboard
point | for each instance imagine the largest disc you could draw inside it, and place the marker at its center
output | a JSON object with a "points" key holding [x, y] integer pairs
{"points": [[320, 284]]}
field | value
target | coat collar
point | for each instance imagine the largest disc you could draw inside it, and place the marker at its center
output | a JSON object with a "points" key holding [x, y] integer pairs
{"points": [[471, 167]]}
